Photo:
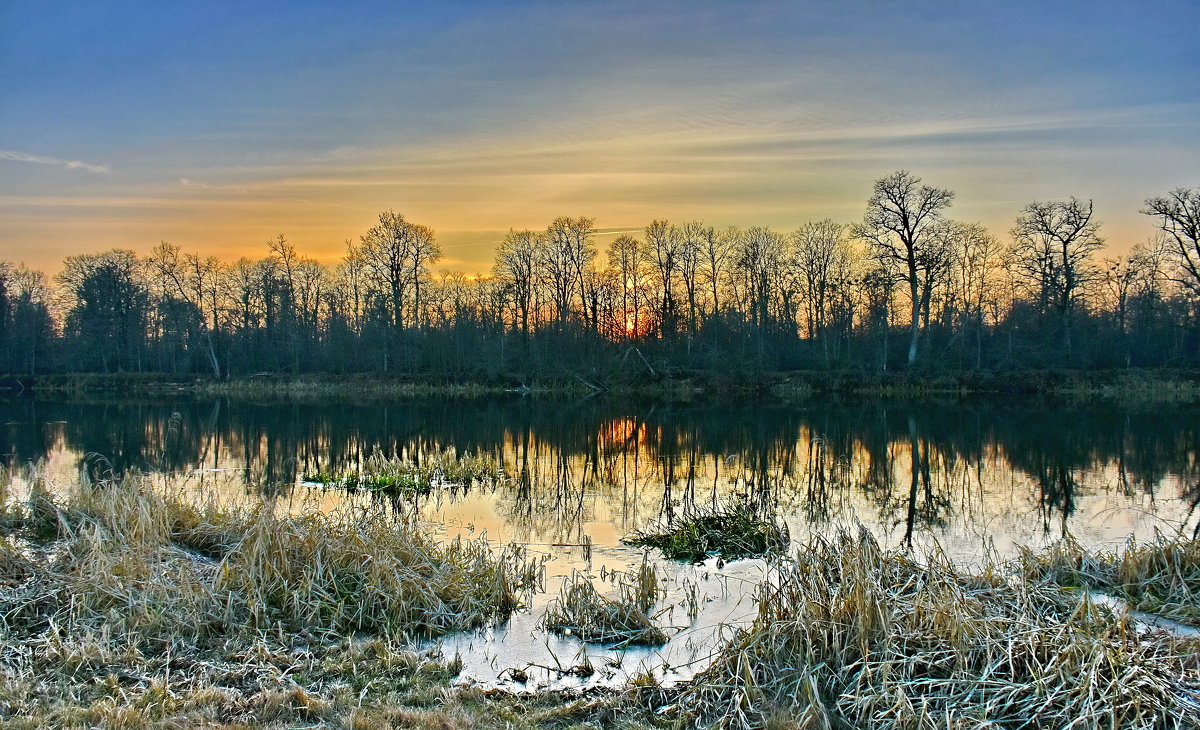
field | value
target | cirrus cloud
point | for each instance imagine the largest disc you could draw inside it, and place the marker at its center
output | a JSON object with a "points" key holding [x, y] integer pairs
{"points": [[17, 156]]}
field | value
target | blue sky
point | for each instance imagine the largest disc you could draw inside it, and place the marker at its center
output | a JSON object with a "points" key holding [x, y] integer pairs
{"points": [[217, 126]]}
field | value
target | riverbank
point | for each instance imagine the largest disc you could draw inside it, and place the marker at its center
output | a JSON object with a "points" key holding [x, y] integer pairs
{"points": [[1148, 385], [142, 604]]}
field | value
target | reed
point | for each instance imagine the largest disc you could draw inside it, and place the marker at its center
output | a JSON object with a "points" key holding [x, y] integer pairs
{"points": [[737, 531], [849, 634], [621, 620], [1161, 576], [408, 477], [128, 604]]}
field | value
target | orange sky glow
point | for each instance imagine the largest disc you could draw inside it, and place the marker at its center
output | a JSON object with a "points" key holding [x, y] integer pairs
{"points": [[218, 128]]}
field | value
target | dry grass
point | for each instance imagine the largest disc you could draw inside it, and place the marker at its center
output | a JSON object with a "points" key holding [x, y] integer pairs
{"points": [[1161, 576], [622, 620], [123, 605], [851, 635], [127, 606]]}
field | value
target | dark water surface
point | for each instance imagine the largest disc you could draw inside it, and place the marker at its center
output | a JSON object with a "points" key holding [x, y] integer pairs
{"points": [[586, 473], [1007, 470]]}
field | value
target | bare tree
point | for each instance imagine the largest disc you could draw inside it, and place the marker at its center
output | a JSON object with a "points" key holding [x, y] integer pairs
{"points": [[386, 251], [715, 254], [1178, 213], [937, 259], [625, 258], [664, 246], [693, 235], [821, 253], [350, 283], [978, 261], [516, 265], [196, 281], [396, 255], [1052, 251], [760, 262], [1134, 281], [568, 254], [424, 252], [900, 216]]}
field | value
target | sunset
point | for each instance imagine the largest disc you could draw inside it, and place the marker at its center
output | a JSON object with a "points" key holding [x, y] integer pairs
{"points": [[219, 126], [535, 365]]}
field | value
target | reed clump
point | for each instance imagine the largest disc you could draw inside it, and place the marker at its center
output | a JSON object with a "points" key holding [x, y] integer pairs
{"points": [[129, 604], [1161, 576], [396, 476], [623, 619], [849, 634], [737, 531], [130, 544]]}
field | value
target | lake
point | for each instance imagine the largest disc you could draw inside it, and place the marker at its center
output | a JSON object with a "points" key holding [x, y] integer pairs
{"points": [[968, 476]]}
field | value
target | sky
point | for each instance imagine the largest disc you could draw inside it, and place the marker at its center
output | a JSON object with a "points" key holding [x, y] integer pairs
{"points": [[217, 126]]}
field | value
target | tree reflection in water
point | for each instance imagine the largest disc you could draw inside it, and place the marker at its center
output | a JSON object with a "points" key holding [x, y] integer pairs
{"points": [[909, 469]]}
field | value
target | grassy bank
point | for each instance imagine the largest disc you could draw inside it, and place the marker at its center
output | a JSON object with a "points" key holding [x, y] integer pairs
{"points": [[129, 605], [850, 635], [1153, 385], [124, 605]]}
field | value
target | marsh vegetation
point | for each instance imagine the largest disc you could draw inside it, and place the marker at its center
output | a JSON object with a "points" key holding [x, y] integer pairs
{"points": [[740, 530], [125, 604], [193, 577], [854, 635], [412, 476], [624, 619]]}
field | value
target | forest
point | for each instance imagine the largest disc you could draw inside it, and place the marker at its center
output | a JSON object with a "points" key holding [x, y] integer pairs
{"points": [[907, 287]]}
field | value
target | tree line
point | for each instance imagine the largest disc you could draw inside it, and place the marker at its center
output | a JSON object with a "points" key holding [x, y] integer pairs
{"points": [[907, 286]]}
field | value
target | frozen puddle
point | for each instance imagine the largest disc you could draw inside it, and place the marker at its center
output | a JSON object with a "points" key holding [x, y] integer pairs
{"points": [[702, 604]]}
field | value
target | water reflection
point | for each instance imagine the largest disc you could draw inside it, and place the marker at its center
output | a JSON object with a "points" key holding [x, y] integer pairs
{"points": [[582, 475], [592, 471]]}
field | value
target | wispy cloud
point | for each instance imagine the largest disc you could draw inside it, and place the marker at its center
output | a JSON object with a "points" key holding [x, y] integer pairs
{"points": [[16, 156]]}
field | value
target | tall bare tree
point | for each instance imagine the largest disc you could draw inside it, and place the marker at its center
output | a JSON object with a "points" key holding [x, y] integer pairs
{"points": [[1178, 214], [195, 281], [516, 264], [569, 252], [822, 255], [625, 258], [1053, 244], [693, 235], [978, 262], [901, 214], [664, 246], [716, 251]]}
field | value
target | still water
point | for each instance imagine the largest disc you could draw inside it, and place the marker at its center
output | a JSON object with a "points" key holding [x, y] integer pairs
{"points": [[967, 476]]}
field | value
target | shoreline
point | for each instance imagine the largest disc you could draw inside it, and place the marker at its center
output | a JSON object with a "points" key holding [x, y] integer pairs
{"points": [[1181, 386]]}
